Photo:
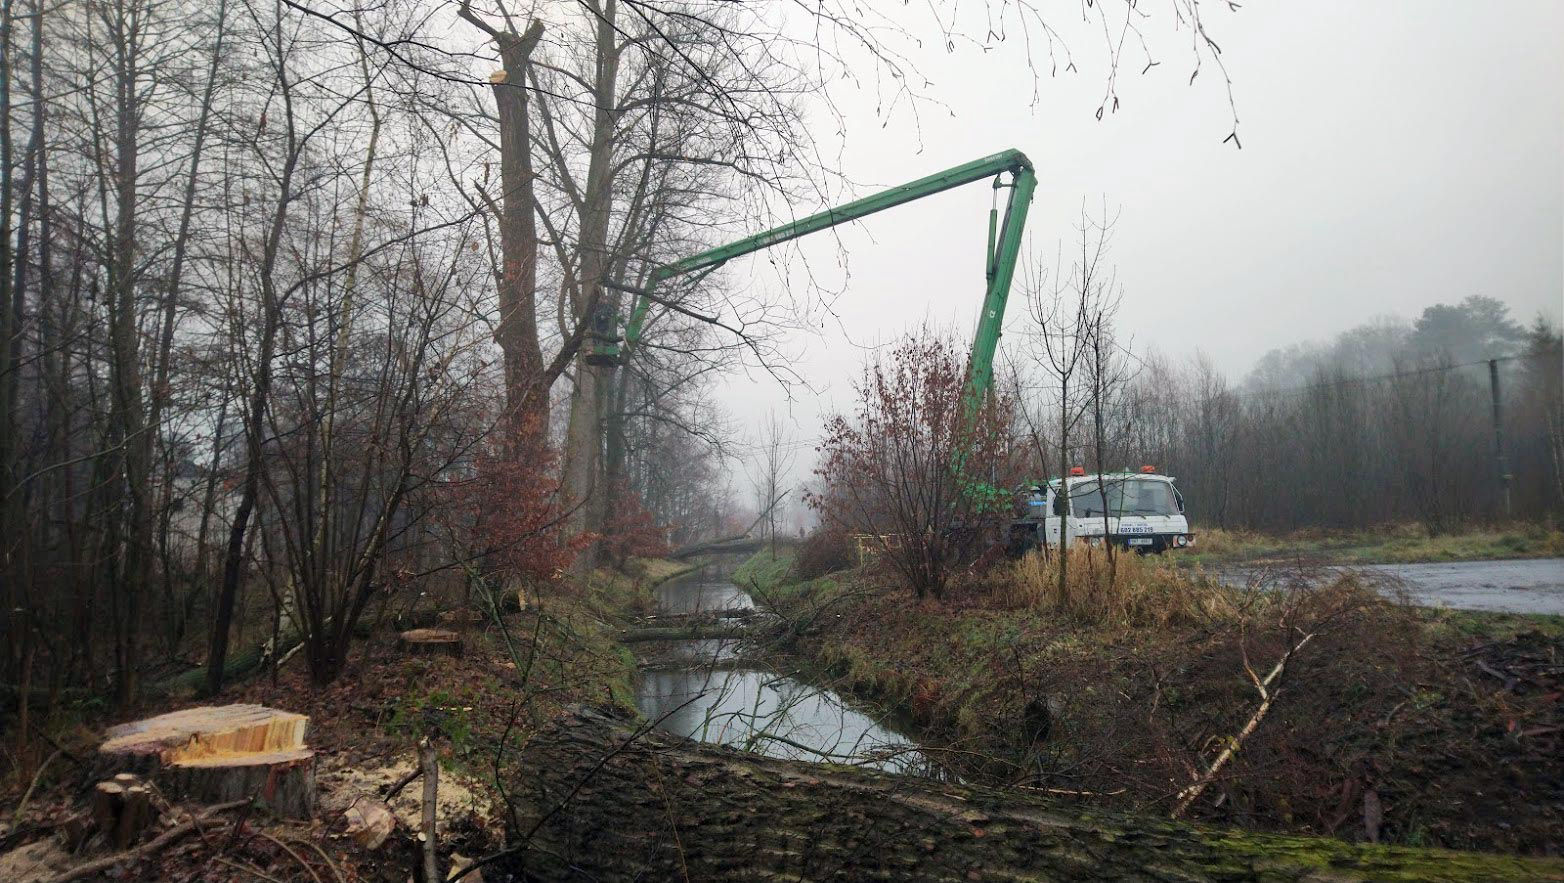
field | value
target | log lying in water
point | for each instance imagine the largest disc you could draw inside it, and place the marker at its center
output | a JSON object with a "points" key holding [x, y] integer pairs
{"points": [[653, 808], [693, 631], [725, 546]]}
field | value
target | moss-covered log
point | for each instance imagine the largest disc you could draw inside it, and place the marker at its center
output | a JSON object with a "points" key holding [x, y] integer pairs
{"points": [[612, 808]]}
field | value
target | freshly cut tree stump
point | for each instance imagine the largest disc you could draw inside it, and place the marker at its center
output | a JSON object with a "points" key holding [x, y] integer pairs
{"points": [[205, 731], [218, 754], [432, 642], [284, 781]]}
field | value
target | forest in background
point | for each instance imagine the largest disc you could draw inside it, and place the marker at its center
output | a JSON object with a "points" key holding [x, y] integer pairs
{"points": [[1392, 421]]}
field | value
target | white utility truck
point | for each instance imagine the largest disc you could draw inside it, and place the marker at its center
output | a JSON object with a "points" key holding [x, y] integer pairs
{"points": [[1142, 511]]}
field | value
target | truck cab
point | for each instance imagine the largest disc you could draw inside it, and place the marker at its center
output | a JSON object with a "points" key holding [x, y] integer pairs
{"points": [[1141, 511]]}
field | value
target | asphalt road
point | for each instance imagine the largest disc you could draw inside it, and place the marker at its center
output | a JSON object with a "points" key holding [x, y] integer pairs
{"points": [[1531, 585]]}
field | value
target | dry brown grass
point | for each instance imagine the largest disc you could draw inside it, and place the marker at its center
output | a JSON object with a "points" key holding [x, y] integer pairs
{"points": [[1137, 591], [1226, 543], [1384, 543]]}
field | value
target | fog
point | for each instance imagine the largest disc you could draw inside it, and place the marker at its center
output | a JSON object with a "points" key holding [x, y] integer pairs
{"points": [[1389, 161]]}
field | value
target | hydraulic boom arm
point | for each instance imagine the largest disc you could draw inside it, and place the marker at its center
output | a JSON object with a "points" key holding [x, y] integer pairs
{"points": [[1000, 261]]}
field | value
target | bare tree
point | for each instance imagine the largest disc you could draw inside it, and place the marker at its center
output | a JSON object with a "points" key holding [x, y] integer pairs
{"points": [[776, 458], [1107, 376], [1064, 312]]}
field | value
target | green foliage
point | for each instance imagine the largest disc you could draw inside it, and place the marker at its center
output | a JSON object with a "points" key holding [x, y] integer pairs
{"points": [[438, 711]]}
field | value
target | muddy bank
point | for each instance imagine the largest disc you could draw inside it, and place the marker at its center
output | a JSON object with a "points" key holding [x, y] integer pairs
{"points": [[1396, 724]]}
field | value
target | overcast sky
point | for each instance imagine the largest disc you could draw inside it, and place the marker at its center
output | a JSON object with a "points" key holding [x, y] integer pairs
{"points": [[1394, 155]]}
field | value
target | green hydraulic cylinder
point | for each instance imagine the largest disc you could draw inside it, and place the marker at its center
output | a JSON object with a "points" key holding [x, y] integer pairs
{"points": [[988, 253]]}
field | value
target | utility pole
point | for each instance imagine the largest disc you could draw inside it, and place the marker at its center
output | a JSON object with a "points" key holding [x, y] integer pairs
{"points": [[1498, 436]]}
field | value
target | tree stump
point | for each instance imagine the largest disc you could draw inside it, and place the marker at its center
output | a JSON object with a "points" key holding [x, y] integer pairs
{"points": [[217, 754], [121, 809], [463, 617], [431, 642], [283, 781]]}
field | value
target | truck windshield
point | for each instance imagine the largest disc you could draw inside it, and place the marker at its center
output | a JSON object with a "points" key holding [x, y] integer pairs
{"points": [[1126, 496], [1139, 496]]}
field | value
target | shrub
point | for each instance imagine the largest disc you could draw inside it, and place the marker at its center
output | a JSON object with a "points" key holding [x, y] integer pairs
{"points": [[902, 468], [826, 550], [631, 530]]}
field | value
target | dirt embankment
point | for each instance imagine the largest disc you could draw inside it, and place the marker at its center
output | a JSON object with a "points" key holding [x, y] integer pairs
{"points": [[512, 678], [1390, 724]]}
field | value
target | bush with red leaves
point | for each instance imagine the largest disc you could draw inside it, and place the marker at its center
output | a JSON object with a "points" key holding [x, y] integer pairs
{"points": [[907, 469], [631, 531], [511, 506]]}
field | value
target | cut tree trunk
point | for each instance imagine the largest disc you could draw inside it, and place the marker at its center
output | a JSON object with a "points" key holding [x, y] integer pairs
{"points": [[612, 807], [203, 731], [431, 642], [282, 781], [121, 809], [217, 754]]}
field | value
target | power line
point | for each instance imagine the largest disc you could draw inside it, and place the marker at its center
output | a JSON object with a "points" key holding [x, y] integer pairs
{"points": [[1346, 381]]}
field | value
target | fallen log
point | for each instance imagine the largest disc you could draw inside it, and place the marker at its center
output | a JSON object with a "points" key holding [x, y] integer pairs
{"points": [[610, 804], [725, 546], [691, 632], [431, 642]]}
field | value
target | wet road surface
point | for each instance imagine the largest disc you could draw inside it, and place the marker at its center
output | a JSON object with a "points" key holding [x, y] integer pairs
{"points": [[1532, 585], [1521, 586]]}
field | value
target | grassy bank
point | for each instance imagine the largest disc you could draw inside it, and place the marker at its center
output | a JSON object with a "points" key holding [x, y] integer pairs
{"points": [[1392, 544], [1422, 728]]}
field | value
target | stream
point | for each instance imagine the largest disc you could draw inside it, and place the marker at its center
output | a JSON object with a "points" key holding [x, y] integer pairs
{"points": [[713, 693]]}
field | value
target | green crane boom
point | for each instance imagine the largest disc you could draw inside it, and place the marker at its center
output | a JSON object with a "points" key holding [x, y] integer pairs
{"points": [[1004, 246]]}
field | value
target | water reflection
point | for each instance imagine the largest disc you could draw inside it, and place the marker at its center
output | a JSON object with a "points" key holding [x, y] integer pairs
{"points": [[774, 715], [754, 709], [701, 593]]}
